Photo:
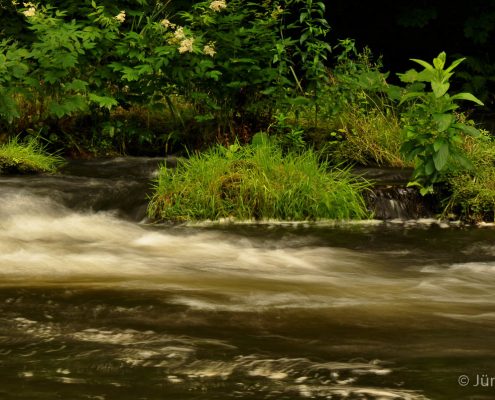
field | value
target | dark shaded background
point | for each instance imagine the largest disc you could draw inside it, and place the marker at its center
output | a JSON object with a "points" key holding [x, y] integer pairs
{"points": [[400, 30]]}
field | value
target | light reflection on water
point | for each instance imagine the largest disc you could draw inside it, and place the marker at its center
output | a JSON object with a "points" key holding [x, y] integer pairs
{"points": [[94, 306]]}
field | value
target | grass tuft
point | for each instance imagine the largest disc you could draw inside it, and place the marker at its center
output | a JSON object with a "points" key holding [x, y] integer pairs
{"points": [[473, 191], [29, 157], [371, 137], [256, 182]]}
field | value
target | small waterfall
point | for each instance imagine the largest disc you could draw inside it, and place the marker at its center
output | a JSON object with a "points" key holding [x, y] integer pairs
{"points": [[398, 202], [390, 198]]}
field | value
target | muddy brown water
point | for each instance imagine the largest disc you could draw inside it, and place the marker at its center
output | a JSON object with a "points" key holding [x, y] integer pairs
{"points": [[97, 304]]}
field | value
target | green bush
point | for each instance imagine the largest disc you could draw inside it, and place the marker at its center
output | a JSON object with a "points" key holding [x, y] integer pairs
{"points": [[27, 157], [433, 134], [235, 62], [257, 182]]}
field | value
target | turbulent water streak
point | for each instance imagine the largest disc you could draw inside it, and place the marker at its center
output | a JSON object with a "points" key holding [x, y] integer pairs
{"points": [[93, 305]]}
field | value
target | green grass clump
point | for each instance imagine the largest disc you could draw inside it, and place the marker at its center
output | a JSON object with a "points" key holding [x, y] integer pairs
{"points": [[256, 182], [368, 137], [29, 157], [473, 191]]}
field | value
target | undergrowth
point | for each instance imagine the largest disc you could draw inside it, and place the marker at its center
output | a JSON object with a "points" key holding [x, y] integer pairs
{"points": [[256, 181], [473, 191], [371, 137]]}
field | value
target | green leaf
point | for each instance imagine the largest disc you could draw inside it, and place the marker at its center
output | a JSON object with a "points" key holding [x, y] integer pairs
{"points": [[424, 64], [103, 101], [439, 62], [438, 144], [304, 36], [441, 157], [299, 101], [455, 64], [439, 88], [468, 97], [411, 95], [469, 130], [409, 76], [430, 167], [426, 190], [465, 162], [394, 92], [76, 85], [443, 121]]}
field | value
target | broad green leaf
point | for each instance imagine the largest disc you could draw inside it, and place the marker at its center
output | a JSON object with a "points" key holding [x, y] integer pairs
{"points": [[430, 167], [469, 130], [438, 144], [439, 62], [394, 92], [409, 76], [425, 76], [424, 64], [439, 88], [411, 95], [443, 121], [441, 157], [468, 97], [455, 64]]}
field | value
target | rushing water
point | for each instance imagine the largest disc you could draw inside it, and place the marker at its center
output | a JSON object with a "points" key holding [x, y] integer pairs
{"points": [[94, 305]]}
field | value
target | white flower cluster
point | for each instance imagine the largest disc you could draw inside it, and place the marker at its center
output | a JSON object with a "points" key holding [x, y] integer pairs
{"points": [[120, 16], [31, 10], [186, 45], [218, 5], [209, 49], [167, 24], [179, 34]]}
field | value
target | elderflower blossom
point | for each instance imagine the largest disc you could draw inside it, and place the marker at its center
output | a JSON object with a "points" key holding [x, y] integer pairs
{"points": [[120, 16], [167, 24], [209, 49], [179, 33], [30, 12], [218, 5], [186, 45]]}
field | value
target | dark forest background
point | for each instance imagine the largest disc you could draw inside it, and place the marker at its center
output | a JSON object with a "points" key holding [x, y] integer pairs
{"points": [[400, 30]]}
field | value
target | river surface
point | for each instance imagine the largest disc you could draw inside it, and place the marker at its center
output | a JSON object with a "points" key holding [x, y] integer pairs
{"points": [[95, 303]]}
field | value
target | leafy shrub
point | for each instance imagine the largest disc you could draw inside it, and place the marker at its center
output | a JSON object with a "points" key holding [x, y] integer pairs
{"points": [[228, 59], [255, 182], [433, 135]]}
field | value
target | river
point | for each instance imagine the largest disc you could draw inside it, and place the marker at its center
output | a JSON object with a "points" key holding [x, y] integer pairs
{"points": [[96, 303]]}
